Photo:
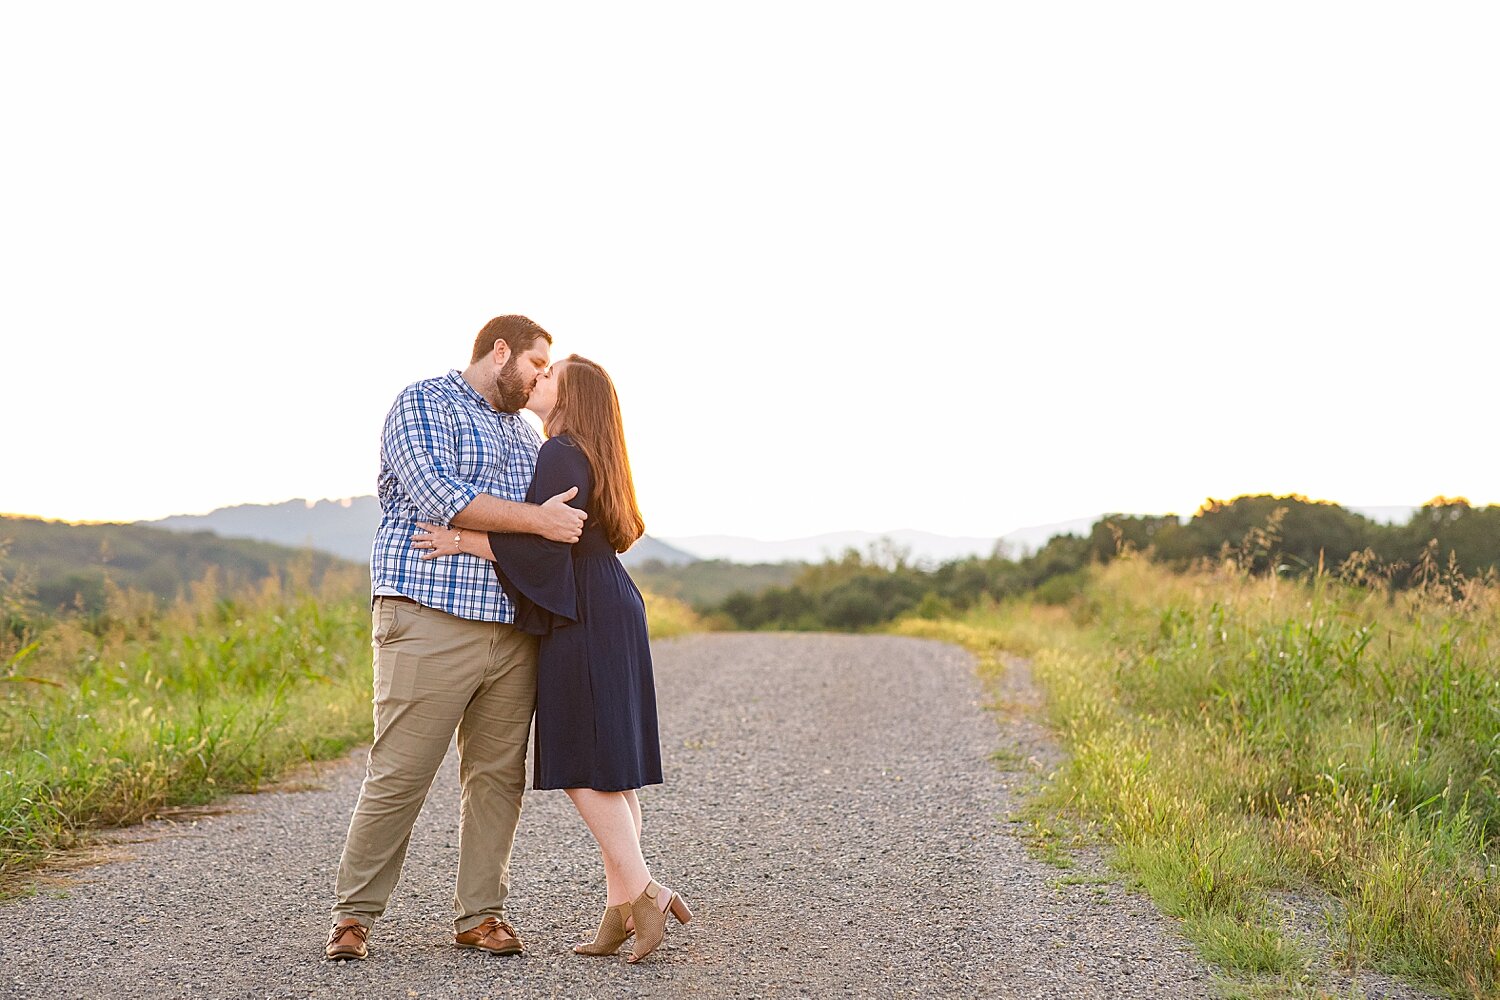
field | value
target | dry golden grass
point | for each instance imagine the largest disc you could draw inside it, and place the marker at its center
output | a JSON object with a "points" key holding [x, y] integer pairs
{"points": [[155, 706], [1234, 736]]}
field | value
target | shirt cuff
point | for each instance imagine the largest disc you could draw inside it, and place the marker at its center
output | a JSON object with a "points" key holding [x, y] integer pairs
{"points": [[456, 498]]}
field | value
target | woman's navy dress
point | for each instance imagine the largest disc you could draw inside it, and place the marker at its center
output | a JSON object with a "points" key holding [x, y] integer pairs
{"points": [[595, 696]]}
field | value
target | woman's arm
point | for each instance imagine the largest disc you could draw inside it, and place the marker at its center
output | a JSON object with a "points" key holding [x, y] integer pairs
{"points": [[536, 574], [561, 471], [437, 540]]}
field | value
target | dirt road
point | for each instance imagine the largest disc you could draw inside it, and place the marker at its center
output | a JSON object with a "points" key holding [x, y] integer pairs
{"points": [[830, 811]]}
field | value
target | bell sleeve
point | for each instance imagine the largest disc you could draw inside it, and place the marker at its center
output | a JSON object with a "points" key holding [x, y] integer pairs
{"points": [[536, 573]]}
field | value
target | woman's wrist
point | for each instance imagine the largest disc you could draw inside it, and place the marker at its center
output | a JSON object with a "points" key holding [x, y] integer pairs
{"points": [[468, 541]]}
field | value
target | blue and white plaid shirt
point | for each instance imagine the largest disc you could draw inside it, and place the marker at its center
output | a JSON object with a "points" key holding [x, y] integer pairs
{"points": [[442, 446]]}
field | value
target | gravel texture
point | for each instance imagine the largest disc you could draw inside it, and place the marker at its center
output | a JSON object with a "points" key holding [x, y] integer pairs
{"points": [[830, 812]]}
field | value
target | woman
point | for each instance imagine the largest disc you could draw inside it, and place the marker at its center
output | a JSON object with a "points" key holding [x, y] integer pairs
{"points": [[596, 702]]}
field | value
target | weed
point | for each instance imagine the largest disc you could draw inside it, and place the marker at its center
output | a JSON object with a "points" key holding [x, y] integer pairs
{"points": [[149, 706], [1233, 735]]}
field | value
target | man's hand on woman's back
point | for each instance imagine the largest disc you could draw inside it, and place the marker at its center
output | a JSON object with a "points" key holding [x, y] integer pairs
{"points": [[562, 523]]}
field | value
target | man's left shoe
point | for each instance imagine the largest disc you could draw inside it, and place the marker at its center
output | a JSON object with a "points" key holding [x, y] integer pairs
{"points": [[347, 941], [494, 936]]}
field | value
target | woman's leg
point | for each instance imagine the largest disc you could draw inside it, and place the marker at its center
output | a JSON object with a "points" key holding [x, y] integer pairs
{"points": [[612, 822], [635, 811]]}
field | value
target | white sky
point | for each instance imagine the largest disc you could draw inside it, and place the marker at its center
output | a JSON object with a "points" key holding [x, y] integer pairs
{"points": [[959, 268]]}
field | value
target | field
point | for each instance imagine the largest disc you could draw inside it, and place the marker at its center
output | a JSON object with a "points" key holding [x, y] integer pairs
{"points": [[110, 718], [1253, 750], [1246, 743]]}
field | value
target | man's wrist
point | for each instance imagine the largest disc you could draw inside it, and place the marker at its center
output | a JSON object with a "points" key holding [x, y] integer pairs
{"points": [[526, 519]]}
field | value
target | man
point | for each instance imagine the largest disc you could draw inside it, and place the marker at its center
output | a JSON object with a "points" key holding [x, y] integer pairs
{"points": [[454, 451]]}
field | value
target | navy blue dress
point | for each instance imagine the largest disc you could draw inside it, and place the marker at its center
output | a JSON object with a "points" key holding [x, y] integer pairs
{"points": [[595, 695]]}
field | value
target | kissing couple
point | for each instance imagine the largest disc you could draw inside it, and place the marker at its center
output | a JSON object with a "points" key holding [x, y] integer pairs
{"points": [[497, 592]]}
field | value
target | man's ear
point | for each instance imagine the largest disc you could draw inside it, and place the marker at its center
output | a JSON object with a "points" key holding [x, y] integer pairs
{"points": [[501, 354]]}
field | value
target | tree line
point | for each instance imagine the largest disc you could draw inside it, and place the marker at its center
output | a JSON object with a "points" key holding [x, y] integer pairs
{"points": [[1289, 535]]}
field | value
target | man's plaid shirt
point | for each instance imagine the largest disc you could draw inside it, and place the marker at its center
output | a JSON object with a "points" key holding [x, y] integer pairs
{"points": [[442, 446]]}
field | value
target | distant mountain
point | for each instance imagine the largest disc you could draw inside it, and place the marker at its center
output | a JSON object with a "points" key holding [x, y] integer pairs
{"points": [[919, 545], [344, 528], [66, 565], [650, 549], [1024, 541]]}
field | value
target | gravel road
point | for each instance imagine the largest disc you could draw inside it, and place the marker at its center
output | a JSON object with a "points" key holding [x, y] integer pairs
{"points": [[830, 811]]}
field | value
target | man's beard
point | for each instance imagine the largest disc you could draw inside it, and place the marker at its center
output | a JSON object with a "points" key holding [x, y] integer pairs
{"points": [[511, 389]]}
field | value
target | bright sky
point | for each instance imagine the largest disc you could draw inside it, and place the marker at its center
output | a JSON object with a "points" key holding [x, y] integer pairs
{"points": [[959, 268]]}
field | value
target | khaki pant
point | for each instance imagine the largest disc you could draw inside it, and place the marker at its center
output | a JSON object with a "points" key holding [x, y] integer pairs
{"points": [[435, 672]]}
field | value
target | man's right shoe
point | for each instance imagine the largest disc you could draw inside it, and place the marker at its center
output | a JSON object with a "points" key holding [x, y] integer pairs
{"points": [[493, 935], [347, 940]]}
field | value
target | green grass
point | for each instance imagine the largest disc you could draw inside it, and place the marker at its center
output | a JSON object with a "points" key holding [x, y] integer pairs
{"points": [[667, 617], [149, 706], [110, 719], [1233, 736]]}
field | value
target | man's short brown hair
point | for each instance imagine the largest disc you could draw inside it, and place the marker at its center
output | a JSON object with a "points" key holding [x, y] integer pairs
{"points": [[517, 331]]}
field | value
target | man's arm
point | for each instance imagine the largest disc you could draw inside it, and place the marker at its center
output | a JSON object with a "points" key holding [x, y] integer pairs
{"points": [[419, 439], [554, 520]]}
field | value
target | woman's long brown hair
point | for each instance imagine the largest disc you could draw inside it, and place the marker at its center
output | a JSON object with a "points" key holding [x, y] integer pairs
{"points": [[588, 411]]}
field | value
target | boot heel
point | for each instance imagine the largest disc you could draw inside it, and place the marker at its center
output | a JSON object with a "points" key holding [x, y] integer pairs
{"points": [[650, 922], [679, 908]]}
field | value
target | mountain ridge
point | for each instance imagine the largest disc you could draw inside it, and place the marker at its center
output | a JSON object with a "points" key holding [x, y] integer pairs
{"points": [[71, 566], [343, 527]]}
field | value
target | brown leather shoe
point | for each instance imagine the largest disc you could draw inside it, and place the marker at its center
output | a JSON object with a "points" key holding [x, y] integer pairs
{"points": [[494, 936], [347, 940]]}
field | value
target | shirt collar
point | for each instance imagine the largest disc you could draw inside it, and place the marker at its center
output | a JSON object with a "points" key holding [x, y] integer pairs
{"points": [[457, 378]]}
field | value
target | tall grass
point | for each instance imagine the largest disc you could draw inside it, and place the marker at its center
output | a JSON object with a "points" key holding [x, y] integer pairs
{"points": [[1236, 736], [667, 616], [107, 720], [110, 719]]}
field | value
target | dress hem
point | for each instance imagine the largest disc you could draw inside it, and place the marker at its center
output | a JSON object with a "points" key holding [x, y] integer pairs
{"points": [[535, 787]]}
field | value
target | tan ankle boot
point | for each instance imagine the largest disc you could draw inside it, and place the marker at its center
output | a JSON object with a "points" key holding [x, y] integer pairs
{"points": [[611, 933], [651, 922]]}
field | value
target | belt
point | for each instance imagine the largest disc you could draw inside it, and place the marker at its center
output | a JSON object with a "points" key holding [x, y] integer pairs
{"points": [[398, 597]]}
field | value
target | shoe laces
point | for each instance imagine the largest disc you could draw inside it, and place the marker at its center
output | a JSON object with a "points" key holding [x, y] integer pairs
{"points": [[493, 924], [336, 936]]}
